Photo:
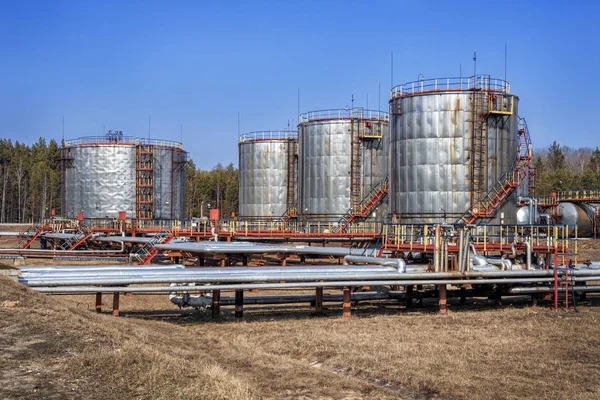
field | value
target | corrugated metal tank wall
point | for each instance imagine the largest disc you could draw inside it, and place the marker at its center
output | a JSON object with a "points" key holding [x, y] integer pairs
{"points": [[100, 182], [99, 178], [263, 168], [324, 161], [169, 183], [431, 155]]}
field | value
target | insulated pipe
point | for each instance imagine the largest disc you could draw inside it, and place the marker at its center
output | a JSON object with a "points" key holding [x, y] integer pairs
{"points": [[422, 275], [197, 276], [504, 263], [461, 249], [550, 289], [292, 285], [201, 301], [181, 272], [528, 251], [54, 252], [398, 263]]}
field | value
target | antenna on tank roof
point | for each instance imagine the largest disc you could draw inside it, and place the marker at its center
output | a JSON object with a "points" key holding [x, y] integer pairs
{"points": [[475, 64], [505, 59], [379, 98], [392, 69]]}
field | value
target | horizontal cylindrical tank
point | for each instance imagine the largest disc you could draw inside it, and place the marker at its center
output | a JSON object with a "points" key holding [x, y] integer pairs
{"points": [[267, 171], [452, 139], [342, 157], [105, 175], [580, 216]]}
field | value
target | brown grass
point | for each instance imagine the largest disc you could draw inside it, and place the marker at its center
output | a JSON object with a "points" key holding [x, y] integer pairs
{"points": [[58, 349]]}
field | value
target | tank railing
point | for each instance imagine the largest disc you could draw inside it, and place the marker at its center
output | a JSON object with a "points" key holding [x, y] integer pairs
{"points": [[483, 82], [420, 237], [344, 114], [131, 140], [268, 135]]}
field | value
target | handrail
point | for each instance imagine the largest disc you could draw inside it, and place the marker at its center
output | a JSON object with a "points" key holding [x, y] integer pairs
{"points": [[483, 82], [358, 113], [506, 183], [268, 135], [121, 140]]}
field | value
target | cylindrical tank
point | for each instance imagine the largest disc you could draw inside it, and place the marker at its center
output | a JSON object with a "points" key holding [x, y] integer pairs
{"points": [[451, 141], [267, 174], [105, 175], [580, 217], [574, 215], [342, 157]]}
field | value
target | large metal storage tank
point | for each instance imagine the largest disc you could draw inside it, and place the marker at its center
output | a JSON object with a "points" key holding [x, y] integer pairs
{"points": [[267, 170], [342, 156], [103, 175], [438, 169]]}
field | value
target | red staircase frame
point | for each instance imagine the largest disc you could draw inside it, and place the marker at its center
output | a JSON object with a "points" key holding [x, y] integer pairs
{"points": [[82, 239], [37, 234], [506, 184], [146, 260], [371, 200]]}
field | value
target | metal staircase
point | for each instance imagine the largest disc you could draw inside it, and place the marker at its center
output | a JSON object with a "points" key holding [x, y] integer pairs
{"points": [[79, 237], [86, 234], [364, 208], [144, 182], [146, 253], [507, 182], [40, 230], [289, 214]]}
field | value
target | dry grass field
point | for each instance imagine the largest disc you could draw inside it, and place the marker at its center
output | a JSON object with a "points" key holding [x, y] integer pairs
{"points": [[57, 347]]}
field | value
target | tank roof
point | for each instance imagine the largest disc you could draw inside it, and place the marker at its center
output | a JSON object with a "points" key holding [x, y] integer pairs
{"points": [[268, 135], [478, 82], [115, 140], [355, 113]]}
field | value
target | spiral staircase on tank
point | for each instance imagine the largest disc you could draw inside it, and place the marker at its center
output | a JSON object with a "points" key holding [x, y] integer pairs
{"points": [[507, 183]]}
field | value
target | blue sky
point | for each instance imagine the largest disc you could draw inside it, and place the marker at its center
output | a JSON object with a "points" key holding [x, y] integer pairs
{"points": [[198, 63]]}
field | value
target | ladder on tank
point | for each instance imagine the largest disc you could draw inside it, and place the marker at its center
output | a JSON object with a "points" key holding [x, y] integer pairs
{"points": [[291, 211], [480, 143], [144, 188], [507, 183], [355, 155]]}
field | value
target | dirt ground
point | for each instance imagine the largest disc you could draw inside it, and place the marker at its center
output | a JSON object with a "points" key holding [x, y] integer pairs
{"points": [[58, 347]]}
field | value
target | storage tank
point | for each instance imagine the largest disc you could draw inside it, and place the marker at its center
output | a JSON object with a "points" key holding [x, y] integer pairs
{"points": [[452, 139], [580, 217], [267, 170], [342, 157], [103, 175]]}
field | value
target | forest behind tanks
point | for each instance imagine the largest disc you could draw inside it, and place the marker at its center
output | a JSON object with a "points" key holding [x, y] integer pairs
{"points": [[30, 180]]}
